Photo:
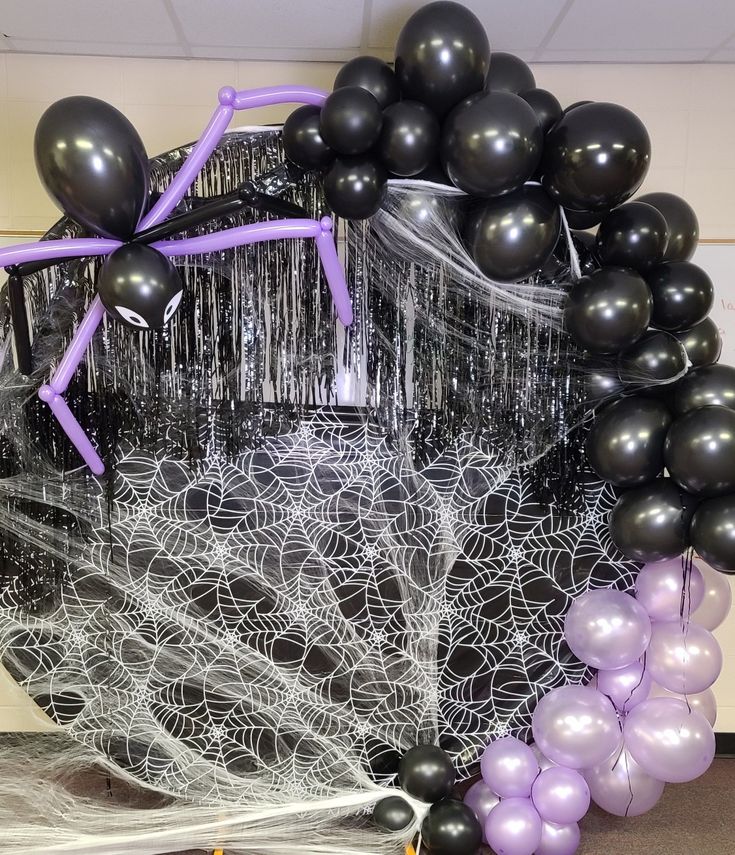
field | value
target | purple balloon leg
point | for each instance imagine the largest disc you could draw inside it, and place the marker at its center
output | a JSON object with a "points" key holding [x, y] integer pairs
{"points": [[47, 249], [75, 352], [72, 429], [334, 272], [248, 98]]}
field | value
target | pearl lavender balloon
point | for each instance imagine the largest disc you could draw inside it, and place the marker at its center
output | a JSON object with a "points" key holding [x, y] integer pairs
{"points": [[621, 787], [666, 592], [576, 726], [559, 839], [509, 767], [626, 687], [669, 741], [513, 828], [560, 795], [717, 600], [482, 800], [607, 629], [683, 657], [703, 702]]}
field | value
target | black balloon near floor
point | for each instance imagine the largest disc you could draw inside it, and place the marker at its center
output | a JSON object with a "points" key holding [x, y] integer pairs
{"points": [[451, 828], [426, 773]]}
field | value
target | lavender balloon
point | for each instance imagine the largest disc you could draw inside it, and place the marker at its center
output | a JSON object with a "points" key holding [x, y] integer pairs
{"points": [[621, 787], [703, 702], [560, 795], [542, 760], [509, 767], [481, 799], [576, 727], [669, 741], [559, 839], [607, 629], [717, 600], [683, 657], [667, 592], [513, 828], [626, 687]]}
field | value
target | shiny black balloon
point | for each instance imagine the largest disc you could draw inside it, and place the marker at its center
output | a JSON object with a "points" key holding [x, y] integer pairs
{"points": [[556, 269], [428, 210], [355, 187], [633, 235], [598, 384], [608, 310], [584, 219], [393, 813], [625, 444], [545, 105], [514, 235], [409, 140], [491, 144], [509, 73], [426, 773], [709, 385], [93, 164], [350, 120], [702, 342], [683, 295], [595, 157], [139, 286], [451, 828], [657, 357], [713, 532], [700, 451], [681, 222], [371, 73], [302, 141], [651, 523]]}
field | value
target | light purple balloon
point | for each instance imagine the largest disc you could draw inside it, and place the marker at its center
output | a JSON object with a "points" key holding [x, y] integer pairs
{"points": [[607, 629], [560, 795], [513, 828], [542, 760], [683, 657], [717, 600], [669, 741], [481, 799], [509, 767], [621, 787], [703, 702], [576, 727], [559, 839], [626, 687], [666, 592]]}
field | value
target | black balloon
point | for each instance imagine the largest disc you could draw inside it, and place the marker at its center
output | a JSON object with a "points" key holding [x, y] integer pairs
{"points": [[700, 451], [574, 106], [713, 532], [650, 523], [514, 235], [409, 140], [442, 55], [428, 210], [371, 73], [491, 144], [93, 164], [683, 295], [426, 773], [139, 286], [584, 219], [451, 828], [702, 342], [302, 140], [393, 813], [681, 222], [608, 310], [598, 384], [509, 73], [709, 385], [633, 235], [657, 357], [626, 442], [595, 157], [350, 121], [544, 105], [355, 187]]}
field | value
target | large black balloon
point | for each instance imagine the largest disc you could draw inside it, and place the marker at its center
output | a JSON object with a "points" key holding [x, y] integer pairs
{"points": [[427, 210], [681, 222], [702, 342], [595, 157], [393, 813], [700, 451], [351, 120], [442, 55], [709, 385], [302, 141], [633, 235], [713, 532], [93, 165], [451, 828], [650, 523], [608, 310], [584, 219], [599, 384], [683, 295], [657, 357], [514, 235], [371, 73], [509, 73], [545, 105], [139, 286], [355, 187], [426, 772], [491, 144], [625, 444], [409, 140]]}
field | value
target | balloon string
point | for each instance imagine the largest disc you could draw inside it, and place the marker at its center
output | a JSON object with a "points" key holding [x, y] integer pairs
{"points": [[576, 270]]}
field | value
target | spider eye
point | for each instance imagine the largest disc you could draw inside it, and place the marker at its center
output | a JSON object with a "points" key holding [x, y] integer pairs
{"points": [[133, 318], [173, 305]]}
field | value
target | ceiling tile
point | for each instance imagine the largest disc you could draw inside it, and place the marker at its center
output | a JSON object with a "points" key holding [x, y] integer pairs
{"points": [[273, 54], [624, 56], [94, 48], [329, 24]]}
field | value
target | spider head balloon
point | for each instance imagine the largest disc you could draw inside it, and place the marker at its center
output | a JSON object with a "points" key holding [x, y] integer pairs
{"points": [[140, 287]]}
